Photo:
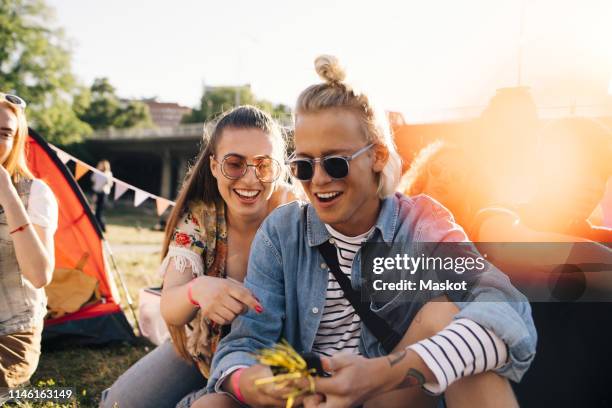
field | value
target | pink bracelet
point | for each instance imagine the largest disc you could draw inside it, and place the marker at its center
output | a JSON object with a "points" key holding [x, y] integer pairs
{"points": [[236, 385], [190, 294]]}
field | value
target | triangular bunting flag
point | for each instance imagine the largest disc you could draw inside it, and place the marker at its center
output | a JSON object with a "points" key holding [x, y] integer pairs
{"points": [[162, 204], [139, 197], [63, 156], [80, 170], [120, 188]]}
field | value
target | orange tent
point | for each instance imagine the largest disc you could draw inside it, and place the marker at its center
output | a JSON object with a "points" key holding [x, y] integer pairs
{"points": [[77, 240]]}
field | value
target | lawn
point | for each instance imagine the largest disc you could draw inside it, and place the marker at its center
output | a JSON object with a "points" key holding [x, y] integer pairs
{"points": [[90, 370]]}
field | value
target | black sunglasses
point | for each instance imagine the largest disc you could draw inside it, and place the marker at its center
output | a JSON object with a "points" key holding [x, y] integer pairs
{"points": [[234, 167], [336, 166], [14, 100]]}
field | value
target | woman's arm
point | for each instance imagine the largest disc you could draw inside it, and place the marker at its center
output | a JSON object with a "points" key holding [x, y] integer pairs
{"points": [[34, 244], [183, 262], [221, 300], [538, 250], [175, 306], [503, 226], [252, 332]]}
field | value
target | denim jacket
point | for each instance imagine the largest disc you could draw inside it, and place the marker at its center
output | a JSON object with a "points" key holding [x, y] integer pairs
{"points": [[288, 275]]}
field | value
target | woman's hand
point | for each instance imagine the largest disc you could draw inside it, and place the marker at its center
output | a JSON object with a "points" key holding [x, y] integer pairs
{"points": [[222, 300], [6, 186], [268, 395]]}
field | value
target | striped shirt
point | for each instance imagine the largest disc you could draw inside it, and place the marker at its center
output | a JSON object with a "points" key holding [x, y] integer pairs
{"points": [[340, 326], [463, 348]]}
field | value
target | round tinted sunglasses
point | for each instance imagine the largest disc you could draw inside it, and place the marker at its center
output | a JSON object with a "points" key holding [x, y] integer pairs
{"points": [[335, 165], [234, 167], [13, 99]]}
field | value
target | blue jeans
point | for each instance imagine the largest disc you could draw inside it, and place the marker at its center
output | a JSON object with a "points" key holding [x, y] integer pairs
{"points": [[160, 379]]}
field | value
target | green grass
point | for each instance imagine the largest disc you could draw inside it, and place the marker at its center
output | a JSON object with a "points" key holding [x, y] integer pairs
{"points": [[92, 369], [139, 270], [132, 226], [88, 370]]}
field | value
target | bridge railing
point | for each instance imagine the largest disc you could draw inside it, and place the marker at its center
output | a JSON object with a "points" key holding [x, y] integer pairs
{"points": [[187, 130]]}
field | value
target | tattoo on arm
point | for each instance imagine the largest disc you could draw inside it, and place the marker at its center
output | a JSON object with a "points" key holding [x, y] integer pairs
{"points": [[396, 357], [413, 378]]}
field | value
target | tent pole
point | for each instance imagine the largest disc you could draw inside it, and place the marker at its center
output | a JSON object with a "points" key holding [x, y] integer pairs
{"points": [[123, 285]]}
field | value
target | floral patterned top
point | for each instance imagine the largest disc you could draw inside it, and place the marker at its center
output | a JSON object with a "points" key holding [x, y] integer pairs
{"points": [[200, 242]]}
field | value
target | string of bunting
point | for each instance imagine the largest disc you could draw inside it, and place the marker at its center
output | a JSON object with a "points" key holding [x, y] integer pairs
{"points": [[140, 196]]}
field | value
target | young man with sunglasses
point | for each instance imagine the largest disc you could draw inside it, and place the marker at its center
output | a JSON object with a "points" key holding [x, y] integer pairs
{"points": [[348, 168]]}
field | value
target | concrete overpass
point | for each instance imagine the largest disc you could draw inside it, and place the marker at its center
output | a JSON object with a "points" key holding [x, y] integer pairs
{"points": [[172, 148]]}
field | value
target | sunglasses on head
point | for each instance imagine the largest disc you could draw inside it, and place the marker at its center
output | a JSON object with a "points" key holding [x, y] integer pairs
{"points": [[13, 100], [335, 165], [234, 167]]}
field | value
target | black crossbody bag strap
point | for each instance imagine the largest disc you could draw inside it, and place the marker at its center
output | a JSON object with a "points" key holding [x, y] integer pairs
{"points": [[388, 337]]}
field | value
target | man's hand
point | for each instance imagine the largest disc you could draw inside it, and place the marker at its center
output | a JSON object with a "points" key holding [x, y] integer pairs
{"points": [[354, 380]]}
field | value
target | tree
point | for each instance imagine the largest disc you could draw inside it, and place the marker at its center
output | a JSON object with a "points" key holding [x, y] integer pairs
{"points": [[133, 114], [218, 99], [281, 111], [101, 108], [35, 64]]}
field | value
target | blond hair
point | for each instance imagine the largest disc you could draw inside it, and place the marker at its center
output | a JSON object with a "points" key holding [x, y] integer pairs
{"points": [[335, 93], [16, 163], [414, 180]]}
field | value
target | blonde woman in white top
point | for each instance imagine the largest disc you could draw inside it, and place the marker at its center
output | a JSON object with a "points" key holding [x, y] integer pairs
{"points": [[28, 220]]}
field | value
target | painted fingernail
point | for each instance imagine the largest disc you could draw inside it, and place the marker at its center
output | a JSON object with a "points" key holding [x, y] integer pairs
{"points": [[258, 309]]}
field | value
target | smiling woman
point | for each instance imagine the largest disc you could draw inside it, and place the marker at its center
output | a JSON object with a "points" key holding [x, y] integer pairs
{"points": [[28, 220], [245, 192], [236, 181]]}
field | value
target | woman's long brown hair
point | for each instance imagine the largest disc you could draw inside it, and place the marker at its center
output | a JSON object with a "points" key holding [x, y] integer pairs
{"points": [[200, 184]]}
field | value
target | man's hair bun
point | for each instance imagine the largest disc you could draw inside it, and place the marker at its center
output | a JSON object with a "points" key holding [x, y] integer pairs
{"points": [[329, 69]]}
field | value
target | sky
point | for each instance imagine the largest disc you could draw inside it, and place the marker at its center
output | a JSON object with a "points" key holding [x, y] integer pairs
{"points": [[427, 59]]}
